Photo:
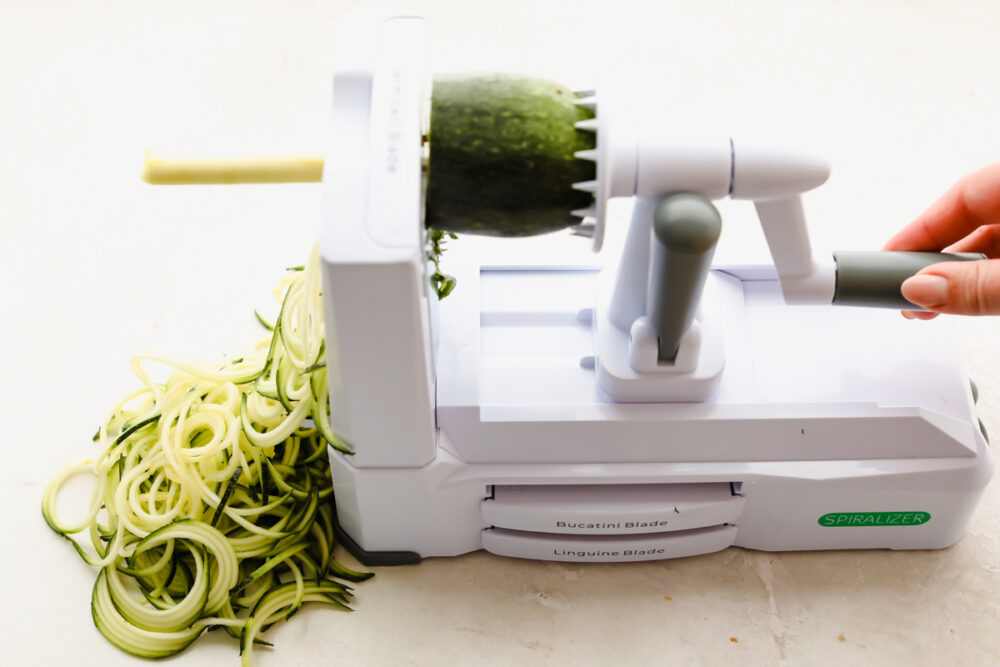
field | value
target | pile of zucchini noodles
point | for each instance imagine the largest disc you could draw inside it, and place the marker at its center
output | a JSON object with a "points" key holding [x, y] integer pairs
{"points": [[211, 507]]}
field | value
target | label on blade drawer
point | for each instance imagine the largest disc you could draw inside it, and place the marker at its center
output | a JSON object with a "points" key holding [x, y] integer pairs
{"points": [[613, 509], [640, 526], [607, 548]]}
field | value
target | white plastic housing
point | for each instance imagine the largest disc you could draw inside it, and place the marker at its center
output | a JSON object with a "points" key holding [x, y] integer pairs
{"points": [[882, 421], [816, 411], [375, 290], [628, 370], [644, 349]]}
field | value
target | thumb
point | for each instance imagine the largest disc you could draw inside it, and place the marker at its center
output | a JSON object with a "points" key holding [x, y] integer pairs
{"points": [[960, 288]]}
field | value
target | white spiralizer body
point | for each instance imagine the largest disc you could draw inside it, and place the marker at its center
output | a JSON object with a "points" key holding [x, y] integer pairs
{"points": [[529, 413]]}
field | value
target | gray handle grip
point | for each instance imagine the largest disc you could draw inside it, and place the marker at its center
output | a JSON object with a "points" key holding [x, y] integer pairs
{"points": [[874, 278], [686, 228]]}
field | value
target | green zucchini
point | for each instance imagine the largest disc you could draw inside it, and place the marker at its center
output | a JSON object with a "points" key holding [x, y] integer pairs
{"points": [[502, 156]]}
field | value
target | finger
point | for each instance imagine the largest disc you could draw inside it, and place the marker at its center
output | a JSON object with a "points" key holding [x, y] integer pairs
{"points": [[970, 203], [961, 288], [919, 315], [986, 240]]}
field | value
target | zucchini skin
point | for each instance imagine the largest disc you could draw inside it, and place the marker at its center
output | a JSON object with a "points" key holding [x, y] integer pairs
{"points": [[502, 155]]}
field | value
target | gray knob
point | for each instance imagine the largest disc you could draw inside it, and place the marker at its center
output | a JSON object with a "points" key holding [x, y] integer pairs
{"points": [[874, 278], [686, 228]]}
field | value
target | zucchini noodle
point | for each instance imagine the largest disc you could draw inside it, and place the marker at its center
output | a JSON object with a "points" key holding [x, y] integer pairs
{"points": [[210, 506]]}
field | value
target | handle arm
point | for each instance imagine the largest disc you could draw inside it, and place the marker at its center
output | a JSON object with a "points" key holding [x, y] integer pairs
{"points": [[874, 278]]}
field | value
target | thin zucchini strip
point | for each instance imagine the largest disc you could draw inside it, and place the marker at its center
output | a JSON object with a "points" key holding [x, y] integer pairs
{"points": [[226, 565], [275, 601], [278, 434], [268, 565], [337, 569], [174, 618], [260, 318], [130, 638], [226, 495], [51, 493]]}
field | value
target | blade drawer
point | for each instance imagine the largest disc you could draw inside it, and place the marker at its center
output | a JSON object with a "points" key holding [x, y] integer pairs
{"points": [[617, 509], [607, 548]]}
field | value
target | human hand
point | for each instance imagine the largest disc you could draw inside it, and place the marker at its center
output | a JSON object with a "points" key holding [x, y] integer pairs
{"points": [[965, 219]]}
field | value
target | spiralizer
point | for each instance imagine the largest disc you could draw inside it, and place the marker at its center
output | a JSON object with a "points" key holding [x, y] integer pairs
{"points": [[665, 406]]}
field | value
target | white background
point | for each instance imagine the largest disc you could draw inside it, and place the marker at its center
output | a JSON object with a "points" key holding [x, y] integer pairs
{"points": [[902, 95]]}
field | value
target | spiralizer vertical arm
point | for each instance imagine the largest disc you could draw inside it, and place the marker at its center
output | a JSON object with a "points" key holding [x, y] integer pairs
{"points": [[653, 299]]}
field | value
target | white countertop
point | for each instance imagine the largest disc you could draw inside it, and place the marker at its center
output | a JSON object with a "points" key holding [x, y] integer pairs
{"points": [[903, 96]]}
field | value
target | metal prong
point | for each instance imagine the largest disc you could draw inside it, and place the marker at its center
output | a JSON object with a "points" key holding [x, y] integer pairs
{"points": [[586, 186], [585, 229], [589, 92], [588, 212], [586, 155], [587, 102], [589, 125]]}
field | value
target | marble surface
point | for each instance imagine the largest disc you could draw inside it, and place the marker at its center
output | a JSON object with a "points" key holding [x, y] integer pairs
{"points": [[902, 95]]}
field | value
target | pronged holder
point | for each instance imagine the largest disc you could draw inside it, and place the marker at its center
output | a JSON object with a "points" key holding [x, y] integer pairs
{"points": [[655, 341]]}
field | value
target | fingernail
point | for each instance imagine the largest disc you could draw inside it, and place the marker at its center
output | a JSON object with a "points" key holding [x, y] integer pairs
{"points": [[926, 290]]}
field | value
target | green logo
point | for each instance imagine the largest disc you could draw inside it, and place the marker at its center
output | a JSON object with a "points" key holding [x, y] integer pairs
{"points": [[844, 519]]}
